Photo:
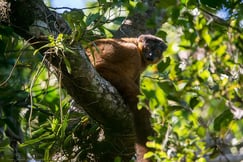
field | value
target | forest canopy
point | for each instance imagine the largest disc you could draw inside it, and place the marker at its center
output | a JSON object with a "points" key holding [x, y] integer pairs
{"points": [[47, 85]]}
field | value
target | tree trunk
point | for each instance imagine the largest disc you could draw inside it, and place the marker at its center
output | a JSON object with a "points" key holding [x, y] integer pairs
{"points": [[34, 22]]}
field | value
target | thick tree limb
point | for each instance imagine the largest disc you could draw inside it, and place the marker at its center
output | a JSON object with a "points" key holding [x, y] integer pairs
{"points": [[33, 21]]}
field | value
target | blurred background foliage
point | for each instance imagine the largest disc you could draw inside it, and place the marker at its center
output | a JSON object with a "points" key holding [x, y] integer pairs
{"points": [[195, 93]]}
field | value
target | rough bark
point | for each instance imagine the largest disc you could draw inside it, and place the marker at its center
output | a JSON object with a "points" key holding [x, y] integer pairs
{"points": [[33, 21]]}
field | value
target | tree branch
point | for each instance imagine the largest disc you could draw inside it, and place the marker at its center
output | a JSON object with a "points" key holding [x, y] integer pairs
{"points": [[226, 158], [136, 22], [33, 21]]}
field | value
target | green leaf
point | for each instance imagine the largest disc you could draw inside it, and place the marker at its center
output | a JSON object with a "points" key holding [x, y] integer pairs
{"points": [[167, 87], [162, 34], [39, 131], [117, 159], [201, 131], [193, 102], [163, 65], [223, 120], [206, 36], [184, 2], [74, 16], [91, 18], [68, 140], [118, 20], [175, 14], [148, 155]]}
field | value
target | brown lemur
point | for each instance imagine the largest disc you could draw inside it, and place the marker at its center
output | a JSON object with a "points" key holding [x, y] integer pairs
{"points": [[121, 61]]}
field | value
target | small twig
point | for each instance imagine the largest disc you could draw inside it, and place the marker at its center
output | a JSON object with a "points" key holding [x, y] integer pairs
{"points": [[166, 139], [219, 20], [12, 70], [69, 8], [31, 96]]}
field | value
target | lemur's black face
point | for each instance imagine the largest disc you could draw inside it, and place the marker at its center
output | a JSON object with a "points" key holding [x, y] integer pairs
{"points": [[152, 48]]}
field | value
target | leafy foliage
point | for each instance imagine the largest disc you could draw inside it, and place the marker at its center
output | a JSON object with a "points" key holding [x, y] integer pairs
{"points": [[191, 92]]}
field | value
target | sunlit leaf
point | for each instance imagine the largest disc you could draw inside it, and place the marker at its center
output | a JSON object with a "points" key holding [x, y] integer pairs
{"points": [[204, 74], [148, 155], [201, 132], [206, 36]]}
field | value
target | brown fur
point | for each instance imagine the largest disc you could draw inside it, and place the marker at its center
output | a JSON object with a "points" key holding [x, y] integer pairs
{"points": [[121, 61]]}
